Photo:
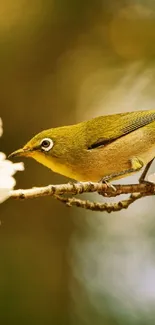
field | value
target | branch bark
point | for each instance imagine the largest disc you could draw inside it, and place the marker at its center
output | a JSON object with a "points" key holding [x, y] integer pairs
{"points": [[137, 191]]}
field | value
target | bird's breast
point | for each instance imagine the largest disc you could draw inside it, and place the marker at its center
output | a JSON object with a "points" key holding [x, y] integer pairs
{"points": [[54, 164]]}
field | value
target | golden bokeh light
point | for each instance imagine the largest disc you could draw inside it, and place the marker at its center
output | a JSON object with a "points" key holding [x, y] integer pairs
{"points": [[132, 32], [14, 13]]}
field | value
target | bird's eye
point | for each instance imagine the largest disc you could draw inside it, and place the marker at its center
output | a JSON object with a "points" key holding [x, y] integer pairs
{"points": [[46, 144]]}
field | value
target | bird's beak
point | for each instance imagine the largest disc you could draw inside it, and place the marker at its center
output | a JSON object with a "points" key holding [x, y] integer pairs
{"points": [[19, 153]]}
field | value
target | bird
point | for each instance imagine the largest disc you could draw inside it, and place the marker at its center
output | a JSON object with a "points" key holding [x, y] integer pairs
{"points": [[103, 148]]}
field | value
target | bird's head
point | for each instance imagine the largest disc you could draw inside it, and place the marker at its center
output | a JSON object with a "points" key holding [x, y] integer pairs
{"points": [[52, 148], [40, 144]]}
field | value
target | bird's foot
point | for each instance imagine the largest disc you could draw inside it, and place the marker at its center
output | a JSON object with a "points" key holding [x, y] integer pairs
{"points": [[105, 180]]}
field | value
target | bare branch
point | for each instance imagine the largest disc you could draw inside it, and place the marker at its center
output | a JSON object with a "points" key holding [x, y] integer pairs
{"points": [[85, 187], [58, 191], [95, 206]]}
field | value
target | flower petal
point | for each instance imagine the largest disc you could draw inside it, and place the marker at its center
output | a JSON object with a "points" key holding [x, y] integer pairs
{"points": [[7, 170], [2, 156], [4, 194], [18, 166]]}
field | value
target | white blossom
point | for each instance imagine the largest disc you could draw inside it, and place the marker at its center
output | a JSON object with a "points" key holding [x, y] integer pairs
{"points": [[7, 170]]}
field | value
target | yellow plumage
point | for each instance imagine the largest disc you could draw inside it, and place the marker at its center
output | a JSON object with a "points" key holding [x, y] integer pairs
{"points": [[112, 145]]}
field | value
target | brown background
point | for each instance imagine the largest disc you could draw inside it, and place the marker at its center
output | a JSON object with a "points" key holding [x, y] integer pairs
{"points": [[62, 62]]}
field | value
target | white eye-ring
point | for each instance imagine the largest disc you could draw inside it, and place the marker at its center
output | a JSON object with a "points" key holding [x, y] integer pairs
{"points": [[46, 144]]}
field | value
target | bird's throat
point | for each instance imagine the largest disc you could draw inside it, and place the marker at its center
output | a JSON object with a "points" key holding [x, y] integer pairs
{"points": [[53, 164]]}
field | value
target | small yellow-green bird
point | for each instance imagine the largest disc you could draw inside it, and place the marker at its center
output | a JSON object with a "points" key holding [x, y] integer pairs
{"points": [[103, 148]]}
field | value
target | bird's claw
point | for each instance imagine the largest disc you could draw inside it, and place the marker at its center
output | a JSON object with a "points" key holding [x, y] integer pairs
{"points": [[109, 185]]}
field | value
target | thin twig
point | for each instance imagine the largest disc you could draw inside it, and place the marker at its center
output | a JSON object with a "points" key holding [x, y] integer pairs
{"points": [[95, 206]]}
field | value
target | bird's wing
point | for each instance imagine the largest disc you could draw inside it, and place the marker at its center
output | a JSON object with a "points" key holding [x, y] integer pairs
{"points": [[106, 129]]}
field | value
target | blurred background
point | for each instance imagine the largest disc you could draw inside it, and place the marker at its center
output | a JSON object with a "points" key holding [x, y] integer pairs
{"points": [[62, 62]]}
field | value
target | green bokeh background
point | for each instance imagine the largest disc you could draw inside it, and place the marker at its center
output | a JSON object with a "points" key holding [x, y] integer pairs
{"points": [[62, 62]]}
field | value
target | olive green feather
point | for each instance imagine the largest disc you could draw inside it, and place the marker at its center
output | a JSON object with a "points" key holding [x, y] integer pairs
{"points": [[106, 129]]}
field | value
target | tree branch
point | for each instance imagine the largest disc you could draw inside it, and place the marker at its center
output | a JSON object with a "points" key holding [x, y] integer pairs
{"points": [[58, 191], [95, 206]]}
